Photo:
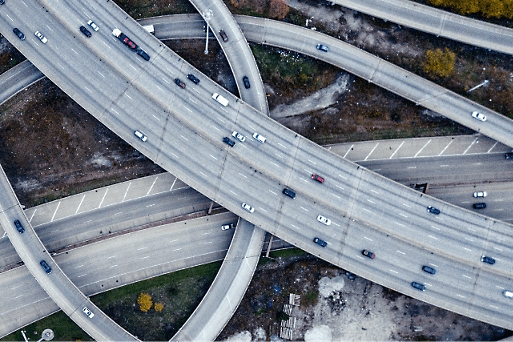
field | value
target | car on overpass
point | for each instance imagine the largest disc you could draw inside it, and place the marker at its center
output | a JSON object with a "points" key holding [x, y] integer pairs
{"points": [[141, 135], [85, 31], [487, 259], [322, 47], [433, 210], [418, 286], [87, 312], [238, 136], [247, 207], [41, 37], [368, 254], [429, 270], [18, 226], [45, 266], [320, 242], [18, 33], [479, 116], [324, 220], [93, 25]]}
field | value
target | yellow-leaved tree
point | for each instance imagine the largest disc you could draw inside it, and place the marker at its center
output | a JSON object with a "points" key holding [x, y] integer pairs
{"points": [[144, 301], [158, 307], [439, 62]]}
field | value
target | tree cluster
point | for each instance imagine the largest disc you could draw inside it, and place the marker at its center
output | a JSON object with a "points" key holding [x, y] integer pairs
{"points": [[487, 8], [439, 62]]}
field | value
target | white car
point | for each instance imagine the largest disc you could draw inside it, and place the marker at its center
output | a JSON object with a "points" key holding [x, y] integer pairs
{"points": [[93, 25], [238, 136], [324, 220], [87, 312], [247, 207], [41, 37], [227, 226], [478, 116], [508, 294], [259, 138], [480, 194], [141, 135]]}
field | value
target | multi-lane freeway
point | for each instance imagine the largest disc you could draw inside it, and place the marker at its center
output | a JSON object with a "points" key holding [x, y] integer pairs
{"points": [[351, 197]]}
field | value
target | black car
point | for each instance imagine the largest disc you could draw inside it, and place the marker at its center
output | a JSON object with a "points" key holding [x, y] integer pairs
{"points": [[509, 155], [368, 254], [223, 35], [193, 78], [245, 79], [2, 2], [418, 286], [320, 242], [18, 33], [45, 266], [488, 260], [479, 205], [433, 210], [429, 270], [18, 225], [289, 193], [229, 141], [85, 31], [179, 83], [143, 54]]}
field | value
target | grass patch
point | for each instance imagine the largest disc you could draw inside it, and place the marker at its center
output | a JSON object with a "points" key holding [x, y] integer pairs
{"points": [[63, 328], [180, 293], [288, 253], [138, 9]]}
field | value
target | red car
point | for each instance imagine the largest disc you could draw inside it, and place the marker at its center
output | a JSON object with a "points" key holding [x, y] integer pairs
{"points": [[368, 254], [318, 178], [130, 43]]}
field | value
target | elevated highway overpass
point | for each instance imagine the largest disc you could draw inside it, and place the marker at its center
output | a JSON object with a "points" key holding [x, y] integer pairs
{"points": [[437, 22], [280, 148]]}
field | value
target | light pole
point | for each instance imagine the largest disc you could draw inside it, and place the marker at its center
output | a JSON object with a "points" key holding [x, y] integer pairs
{"points": [[207, 15]]}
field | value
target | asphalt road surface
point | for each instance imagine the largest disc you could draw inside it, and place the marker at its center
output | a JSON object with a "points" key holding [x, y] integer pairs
{"points": [[257, 170]]}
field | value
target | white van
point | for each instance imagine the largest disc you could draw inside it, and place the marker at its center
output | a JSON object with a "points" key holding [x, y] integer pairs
{"points": [[220, 99]]}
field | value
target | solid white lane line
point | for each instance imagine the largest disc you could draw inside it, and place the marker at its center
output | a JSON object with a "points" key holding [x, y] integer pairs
{"points": [[105, 194], [80, 204], [422, 148], [350, 149], [397, 149], [371, 151], [152, 184], [445, 148], [126, 192], [55, 212], [472, 143]]}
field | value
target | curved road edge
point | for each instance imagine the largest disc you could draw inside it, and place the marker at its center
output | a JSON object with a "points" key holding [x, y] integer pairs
{"points": [[228, 288]]}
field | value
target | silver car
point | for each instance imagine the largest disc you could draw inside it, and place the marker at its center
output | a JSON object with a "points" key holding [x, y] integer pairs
{"points": [[41, 37]]}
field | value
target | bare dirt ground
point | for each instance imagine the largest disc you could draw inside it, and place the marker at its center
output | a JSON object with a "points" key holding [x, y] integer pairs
{"points": [[335, 308]]}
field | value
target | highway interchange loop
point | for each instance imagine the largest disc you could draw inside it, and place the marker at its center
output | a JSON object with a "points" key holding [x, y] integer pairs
{"points": [[352, 214]]}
